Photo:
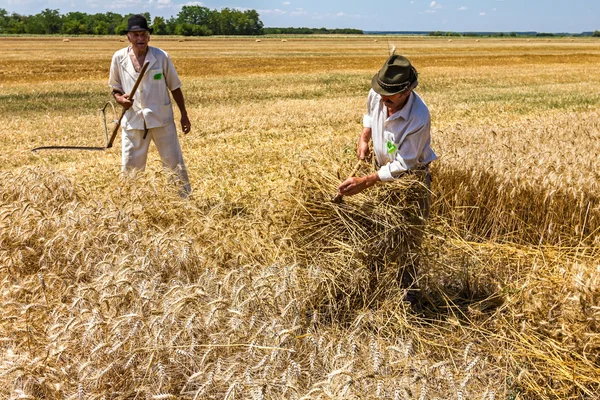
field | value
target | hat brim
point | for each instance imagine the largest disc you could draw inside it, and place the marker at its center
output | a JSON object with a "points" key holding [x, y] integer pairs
{"points": [[379, 89], [384, 92], [140, 29]]}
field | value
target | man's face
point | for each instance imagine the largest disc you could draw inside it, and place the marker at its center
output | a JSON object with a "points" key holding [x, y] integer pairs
{"points": [[397, 100], [139, 40]]}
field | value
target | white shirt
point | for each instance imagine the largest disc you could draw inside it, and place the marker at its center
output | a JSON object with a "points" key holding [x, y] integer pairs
{"points": [[401, 141], [152, 106]]}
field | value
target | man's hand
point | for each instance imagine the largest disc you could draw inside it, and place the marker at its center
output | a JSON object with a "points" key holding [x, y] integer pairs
{"points": [[186, 126], [355, 185], [123, 100]]}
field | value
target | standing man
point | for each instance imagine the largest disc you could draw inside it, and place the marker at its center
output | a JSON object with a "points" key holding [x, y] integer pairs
{"points": [[398, 122], [150, 115]]}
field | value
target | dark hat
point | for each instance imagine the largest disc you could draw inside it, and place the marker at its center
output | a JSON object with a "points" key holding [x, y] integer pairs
{"points": [[137, 23], [396, 75]]}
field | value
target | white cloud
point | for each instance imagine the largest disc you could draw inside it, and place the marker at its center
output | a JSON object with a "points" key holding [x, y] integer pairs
{"points": [[462, 8], [276, 11], [286, 3], [163, 3], [482, 14], [343, 14], [433, 7], [192, 3], [299, 11], [493, 9], [118, 4]]}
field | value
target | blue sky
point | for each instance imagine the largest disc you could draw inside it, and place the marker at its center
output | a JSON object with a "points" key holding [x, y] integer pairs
{"points": [[397, 15]]}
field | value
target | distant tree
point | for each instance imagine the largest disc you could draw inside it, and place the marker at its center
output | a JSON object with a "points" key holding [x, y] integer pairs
{"points": [[194, 15], [16, 24], [596, 34], [50, 20], [102, 28], [310, 31], [159, 26], [225, 26], [190, 21], [184, 29], [252, 25], [3, 20], [121, 29], [114, 20], [33, 25], [75, 23]]}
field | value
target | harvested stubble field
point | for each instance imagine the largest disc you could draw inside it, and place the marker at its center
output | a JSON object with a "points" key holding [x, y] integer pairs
{"points": [[259, 287]]}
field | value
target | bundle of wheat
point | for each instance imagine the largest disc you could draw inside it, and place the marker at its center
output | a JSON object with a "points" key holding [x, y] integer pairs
{"points": [[355, 249]]}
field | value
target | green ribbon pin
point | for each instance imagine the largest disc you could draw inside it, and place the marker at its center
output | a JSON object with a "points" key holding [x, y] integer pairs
{"points": [[158, 76], [391, 147]]}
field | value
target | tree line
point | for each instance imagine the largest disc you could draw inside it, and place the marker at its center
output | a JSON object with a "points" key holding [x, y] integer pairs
{"points": [[512, 34], [190, 21], [310, 31]]}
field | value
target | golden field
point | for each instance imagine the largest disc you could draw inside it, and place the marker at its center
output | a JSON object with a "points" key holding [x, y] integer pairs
{"points": [[118, 289]]}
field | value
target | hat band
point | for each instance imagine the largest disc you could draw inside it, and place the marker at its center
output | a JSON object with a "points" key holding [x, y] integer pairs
{"points": [[399, 87]]}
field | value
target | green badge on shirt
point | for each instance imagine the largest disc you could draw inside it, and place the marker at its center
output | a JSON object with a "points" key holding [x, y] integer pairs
{"points": [[158, 76], [391, 147]]}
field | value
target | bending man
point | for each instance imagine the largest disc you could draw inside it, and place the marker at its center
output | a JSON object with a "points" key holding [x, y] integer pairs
{"points": [[398, 122]]}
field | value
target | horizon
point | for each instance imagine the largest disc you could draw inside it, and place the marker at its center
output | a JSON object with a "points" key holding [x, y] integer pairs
{"points": [[406, 16]]}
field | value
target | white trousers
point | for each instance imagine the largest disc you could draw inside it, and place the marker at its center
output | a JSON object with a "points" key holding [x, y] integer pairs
{"points": [[135, 151]]}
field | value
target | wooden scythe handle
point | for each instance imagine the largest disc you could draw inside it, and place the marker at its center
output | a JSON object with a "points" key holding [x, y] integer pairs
{"points": [[135, 86]]}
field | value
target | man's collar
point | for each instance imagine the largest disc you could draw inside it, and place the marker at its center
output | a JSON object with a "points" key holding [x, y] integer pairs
{"points": [[405, 111], [128, 65]]}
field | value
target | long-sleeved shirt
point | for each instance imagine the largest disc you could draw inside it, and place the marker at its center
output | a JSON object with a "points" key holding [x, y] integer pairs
{"points": [[152, 106], [401, 141]]}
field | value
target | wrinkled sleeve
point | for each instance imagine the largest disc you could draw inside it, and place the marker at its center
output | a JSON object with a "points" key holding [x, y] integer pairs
{"points": [[367, 118], [171, 76], [114, 78], [409, 151]]}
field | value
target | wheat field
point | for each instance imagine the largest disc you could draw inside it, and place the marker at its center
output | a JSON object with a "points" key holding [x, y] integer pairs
{"points": [[257, 286]]}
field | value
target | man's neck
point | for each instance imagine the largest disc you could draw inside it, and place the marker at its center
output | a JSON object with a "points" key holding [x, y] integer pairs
{"points": [[394, 110], [139, 53]]}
